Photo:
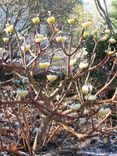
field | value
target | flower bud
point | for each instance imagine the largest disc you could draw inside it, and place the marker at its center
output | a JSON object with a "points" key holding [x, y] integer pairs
{"points": [[26, 48], [83, 65], [36, 20], [5, 39], [1, 49], [107, 31], [104, 38], [92, 97], [86, 34], [110, 53], [22, 93], [94, 32], [51, 77], [9, 29], [72, 62], [86, 25], [21, 38], [56, 30], [39, 38], [71, 21], [44, 65], [86, 89], [51, 20], [60, 39], [112, 41]]}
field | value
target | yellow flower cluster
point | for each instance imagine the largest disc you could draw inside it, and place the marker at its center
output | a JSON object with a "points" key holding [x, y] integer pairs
{"points": [[44, 65], [36, 20], [86, 34], [92, 97], [71, 21], [51, 77], [83, 53], [51, 20], [56, 30], [21, 38], [107, 31], [22, 93], [83, 65], [111, 53], [72, 62], [39, 38], [86, 25], [104, 38], [9, 28], [26, 48], [86, 89], [94, 32], [60, 39], [112, 41], [5, 39]]}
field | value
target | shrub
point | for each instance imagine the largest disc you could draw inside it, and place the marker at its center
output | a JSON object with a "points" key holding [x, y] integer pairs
{"points": [[35, 92]]}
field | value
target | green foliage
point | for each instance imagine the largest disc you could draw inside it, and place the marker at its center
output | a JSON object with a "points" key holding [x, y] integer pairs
{"points": [[113, 13], [100, 51], [100, 75]]}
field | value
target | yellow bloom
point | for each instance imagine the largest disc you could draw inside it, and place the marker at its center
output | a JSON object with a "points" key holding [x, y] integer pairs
{"points": [[60, 39], [72, 62], [51, 77], [92, 97], [112, 41], [94, 32], [51, 20], [7, 24], [1, 49], [86, 25], [83, 65], [9, 29], [5, 39], [22, 93], [110, 53], [71, 21], [39, 38], [104, 38], [21, 38], [26, 48], [56, 30], [86, 34], [107, 31], [36, 20], [116, 54], [44, 65], [86, 89], [84, 53]]}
